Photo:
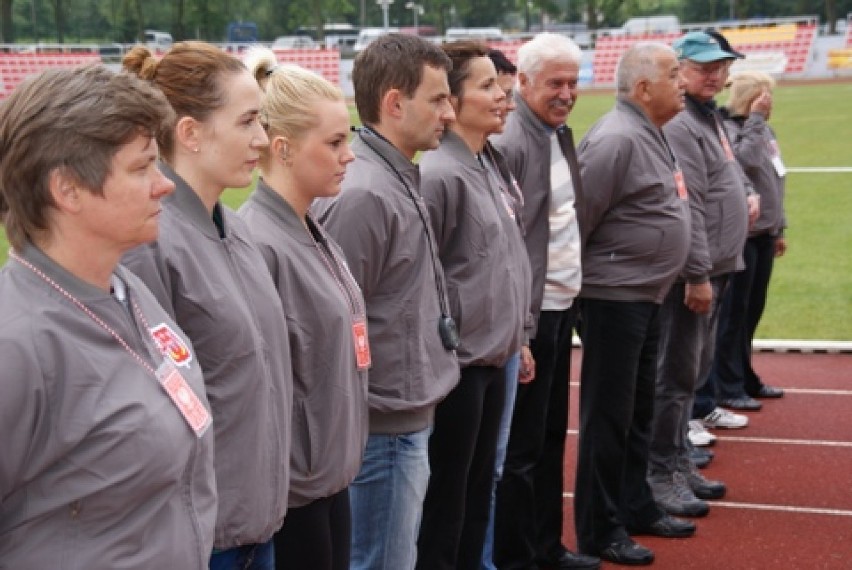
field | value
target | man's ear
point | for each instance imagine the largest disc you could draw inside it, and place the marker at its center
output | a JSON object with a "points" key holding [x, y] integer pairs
{"points": [[188, 134], [391, 103], [65, 190]]}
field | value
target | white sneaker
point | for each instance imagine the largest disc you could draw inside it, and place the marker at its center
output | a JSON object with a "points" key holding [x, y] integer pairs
{"points": [[698, 434], [721, 418]]}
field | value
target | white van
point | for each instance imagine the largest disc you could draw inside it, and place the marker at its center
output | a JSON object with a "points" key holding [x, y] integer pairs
{"points": [[652, 25], [158, 41], [482, 34], [367, 35]]}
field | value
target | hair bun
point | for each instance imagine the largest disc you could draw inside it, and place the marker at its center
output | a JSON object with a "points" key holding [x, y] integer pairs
{"points": [[141, 62]]}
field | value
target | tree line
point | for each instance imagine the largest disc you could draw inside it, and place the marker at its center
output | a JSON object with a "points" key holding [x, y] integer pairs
{"points": [[124, 21]]}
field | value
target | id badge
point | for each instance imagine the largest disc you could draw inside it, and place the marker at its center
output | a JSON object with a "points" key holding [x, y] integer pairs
{"points": [[184, 399], [777, 163], [362, 344], [680, 184]]}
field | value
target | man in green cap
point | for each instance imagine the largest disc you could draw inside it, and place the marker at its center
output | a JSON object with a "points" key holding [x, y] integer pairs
{"points": [[719, 212]]}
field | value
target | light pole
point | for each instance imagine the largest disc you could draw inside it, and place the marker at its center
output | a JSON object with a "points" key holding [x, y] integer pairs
{"points": [[417, 10], [385, 4]]}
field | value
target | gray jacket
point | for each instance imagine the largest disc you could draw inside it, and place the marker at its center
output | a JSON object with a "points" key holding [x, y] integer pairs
{"points": [[329, 392], [98, 468], [755, 146], [717, 193], [634, 227], [219, 291], [525, 143], [481, 249], [383, 233]]}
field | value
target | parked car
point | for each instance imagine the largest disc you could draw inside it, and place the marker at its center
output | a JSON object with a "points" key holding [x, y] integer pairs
{"points": [[294, 42]]}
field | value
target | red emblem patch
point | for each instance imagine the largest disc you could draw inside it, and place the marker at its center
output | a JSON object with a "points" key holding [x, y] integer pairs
{"points": [[171, 345]]}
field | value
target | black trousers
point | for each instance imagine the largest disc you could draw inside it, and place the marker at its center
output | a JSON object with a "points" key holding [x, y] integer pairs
{"points": [[461, 459], [617, 383], [316, 536], [746, 299], [528, 513]]}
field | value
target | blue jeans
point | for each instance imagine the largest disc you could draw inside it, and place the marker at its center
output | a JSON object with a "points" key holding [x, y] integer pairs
{"points": [[246, 557], [513, 367], [387, 501]]}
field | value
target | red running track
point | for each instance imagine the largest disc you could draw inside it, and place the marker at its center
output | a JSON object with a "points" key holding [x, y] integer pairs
{"points": [[789, 476]]}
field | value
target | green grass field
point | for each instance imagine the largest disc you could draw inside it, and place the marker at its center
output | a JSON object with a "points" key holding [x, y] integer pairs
{"points": [[811, 292]]}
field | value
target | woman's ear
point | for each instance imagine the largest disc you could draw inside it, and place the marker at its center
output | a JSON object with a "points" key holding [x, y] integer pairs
{"points": [[65, 190], [188, 134]]}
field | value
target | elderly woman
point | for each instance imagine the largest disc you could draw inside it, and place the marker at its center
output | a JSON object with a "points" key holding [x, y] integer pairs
{"points": [[473, 211], [107, 457], [307, 122], [747, 113], [207, 271]]}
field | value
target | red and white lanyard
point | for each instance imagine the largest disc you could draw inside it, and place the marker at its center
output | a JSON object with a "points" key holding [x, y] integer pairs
{"points": [[347, 285], [181, 394]]}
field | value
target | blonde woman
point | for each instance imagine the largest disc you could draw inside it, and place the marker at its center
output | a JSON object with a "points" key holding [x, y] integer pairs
{"points": [[754, 144], [208, 273], [307, 122]]}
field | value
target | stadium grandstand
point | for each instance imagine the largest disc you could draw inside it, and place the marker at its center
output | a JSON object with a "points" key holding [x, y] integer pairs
{"points": [[781, 46], [840, 60], [777, 46]]}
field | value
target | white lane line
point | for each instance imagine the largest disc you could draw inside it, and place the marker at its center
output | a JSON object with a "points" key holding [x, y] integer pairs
{"points": [[819, 391], [819, 169], [779, 441], [807, 391], [763, 507], [775, 440]]}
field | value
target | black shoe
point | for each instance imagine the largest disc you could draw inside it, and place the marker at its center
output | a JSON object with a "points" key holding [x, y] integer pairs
{"points": [[627, 552], [568, 559], [745, 403], [704, 488], [667, 527], [701, 457], [768, 392]]}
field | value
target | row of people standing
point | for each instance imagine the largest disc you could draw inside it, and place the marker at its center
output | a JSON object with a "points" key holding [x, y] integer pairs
{"points": [[239, 325], [430, 287], [664, 221]]}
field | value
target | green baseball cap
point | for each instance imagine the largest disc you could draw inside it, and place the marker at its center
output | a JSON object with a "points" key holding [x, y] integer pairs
{"points": [[699, 47]]}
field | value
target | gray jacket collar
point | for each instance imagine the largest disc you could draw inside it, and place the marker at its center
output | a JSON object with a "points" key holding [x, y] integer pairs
{"points": [[281, 211], [83, 291], [189, 204]]}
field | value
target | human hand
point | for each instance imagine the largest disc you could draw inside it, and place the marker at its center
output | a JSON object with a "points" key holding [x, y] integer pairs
{"points": [[527, 372], [698, 297], [762, 104], [753, 209], [780, 246]]}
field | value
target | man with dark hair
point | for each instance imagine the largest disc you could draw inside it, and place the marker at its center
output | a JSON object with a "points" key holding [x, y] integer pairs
{"points": [[381, 222]]}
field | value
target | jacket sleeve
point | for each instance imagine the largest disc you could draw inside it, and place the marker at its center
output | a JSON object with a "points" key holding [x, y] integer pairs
{"points": [[603, 162], [359, 222], [748, 140], [688, 148], [21, 405], [443, 202]]}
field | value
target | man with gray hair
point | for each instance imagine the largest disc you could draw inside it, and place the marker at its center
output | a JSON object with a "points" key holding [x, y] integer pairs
{"points": [[690, 313], [540, 152], [634, 227]]}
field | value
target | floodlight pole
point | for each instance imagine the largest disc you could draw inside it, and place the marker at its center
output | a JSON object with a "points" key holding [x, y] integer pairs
{"points": [[416, 9], [385, 4]]}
